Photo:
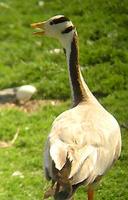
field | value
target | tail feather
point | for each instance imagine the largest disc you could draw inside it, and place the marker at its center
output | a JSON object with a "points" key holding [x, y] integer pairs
{"points": [[58, 153], [82, 161], [79, 158]]}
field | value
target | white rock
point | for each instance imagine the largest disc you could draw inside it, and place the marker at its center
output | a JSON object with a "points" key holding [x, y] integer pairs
{"points": [[41, 3], [25, 92], [55, 51], [18, 173]]}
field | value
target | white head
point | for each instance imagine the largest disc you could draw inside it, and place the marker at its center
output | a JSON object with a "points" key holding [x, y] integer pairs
{"points": [[59, 27]]}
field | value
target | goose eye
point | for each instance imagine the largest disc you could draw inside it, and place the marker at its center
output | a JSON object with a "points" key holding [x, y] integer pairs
{"points": [[51, 23]]}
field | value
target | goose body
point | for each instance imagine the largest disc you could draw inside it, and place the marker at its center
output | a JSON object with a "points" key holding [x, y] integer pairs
{"points": [[91, 143], [84, 141]]}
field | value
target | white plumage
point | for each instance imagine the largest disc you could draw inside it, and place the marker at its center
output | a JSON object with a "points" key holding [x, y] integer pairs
{"points": [[85, 140], [93, 136]]}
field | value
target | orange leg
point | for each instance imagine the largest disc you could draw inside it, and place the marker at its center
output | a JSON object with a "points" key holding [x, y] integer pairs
{"points": [[90, 193]]}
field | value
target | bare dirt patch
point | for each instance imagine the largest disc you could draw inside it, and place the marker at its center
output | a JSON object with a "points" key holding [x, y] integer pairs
{"points": [[31, 106]]}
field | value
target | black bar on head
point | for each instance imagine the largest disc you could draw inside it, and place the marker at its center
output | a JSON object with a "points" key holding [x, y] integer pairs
{"points": [[59, 20], [67, 30]]}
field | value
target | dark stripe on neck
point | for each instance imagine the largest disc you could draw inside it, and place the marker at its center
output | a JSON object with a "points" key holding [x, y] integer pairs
{"points": [[64, 51], [59, 20], [67, 30], [74, 68]]}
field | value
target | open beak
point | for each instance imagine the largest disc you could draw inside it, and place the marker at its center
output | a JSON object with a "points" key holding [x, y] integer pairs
{"points": [[39, 27]]}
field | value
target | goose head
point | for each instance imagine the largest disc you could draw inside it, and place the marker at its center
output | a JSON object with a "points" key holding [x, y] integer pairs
{"points": [[59, 27]]}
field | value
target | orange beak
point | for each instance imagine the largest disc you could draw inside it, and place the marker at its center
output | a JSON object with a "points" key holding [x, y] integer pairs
{"points": [[39, 27]]}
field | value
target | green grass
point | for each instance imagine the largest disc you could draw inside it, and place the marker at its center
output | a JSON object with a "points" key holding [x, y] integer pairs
{"points": [[25, 59]]}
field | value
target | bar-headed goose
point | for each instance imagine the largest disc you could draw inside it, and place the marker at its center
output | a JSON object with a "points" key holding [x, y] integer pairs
{"points": [[85, 140]]}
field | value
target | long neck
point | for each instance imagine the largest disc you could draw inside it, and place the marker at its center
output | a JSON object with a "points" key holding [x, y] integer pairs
{"points": [[77, 83]]}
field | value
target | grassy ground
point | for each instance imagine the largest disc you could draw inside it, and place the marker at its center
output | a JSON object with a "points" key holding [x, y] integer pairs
{"points": [[24, 59]]}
